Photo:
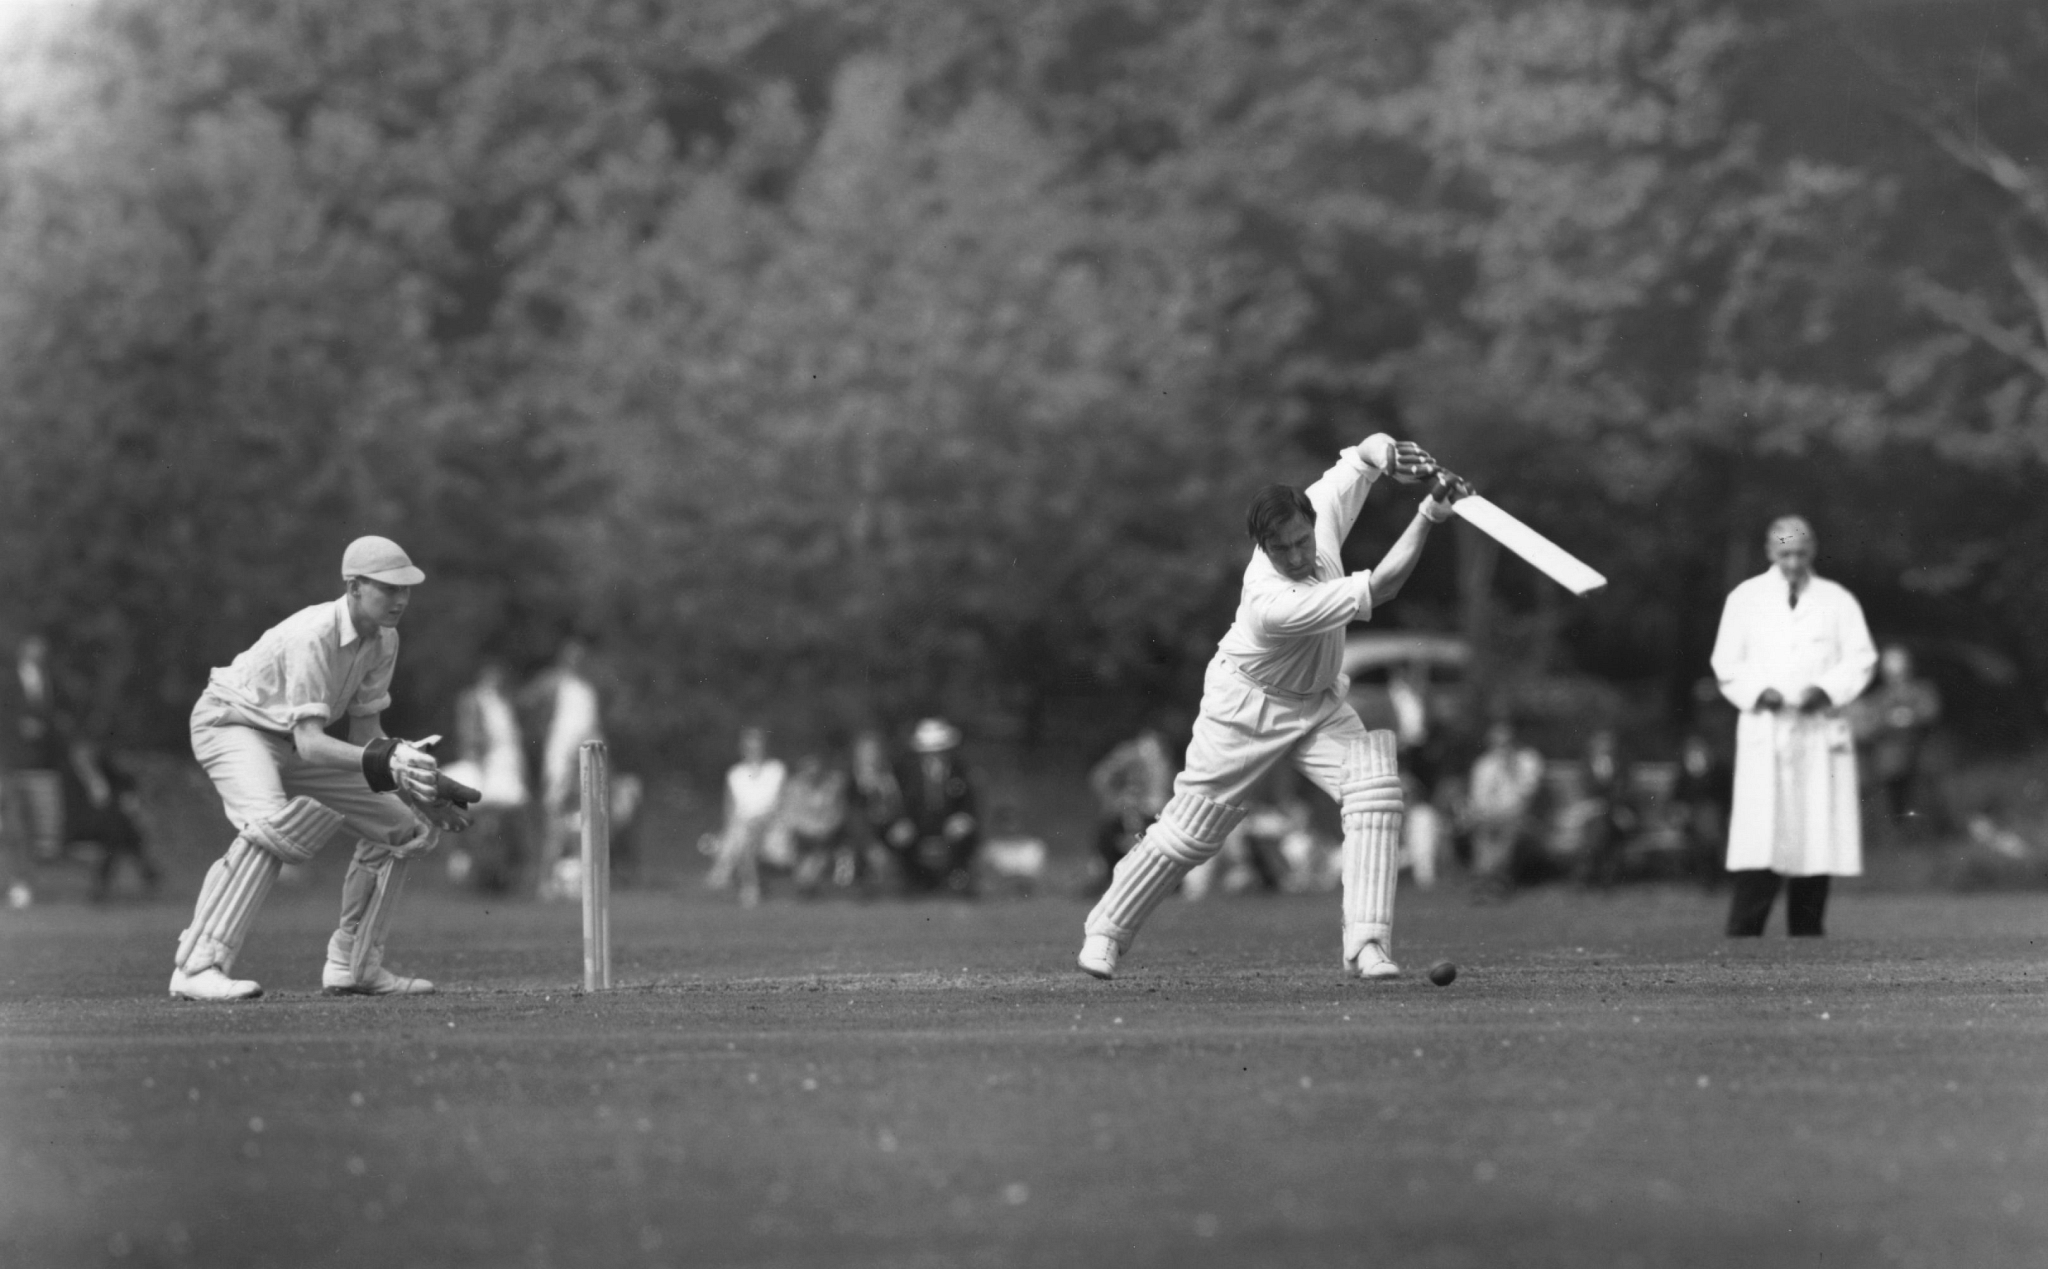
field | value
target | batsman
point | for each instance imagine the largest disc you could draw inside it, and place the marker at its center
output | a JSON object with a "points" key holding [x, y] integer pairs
{"points": [[289, 788], [1275, 692]]}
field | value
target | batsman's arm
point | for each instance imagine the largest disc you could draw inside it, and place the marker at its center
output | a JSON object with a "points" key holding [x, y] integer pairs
{"points": [[1401, 558]]}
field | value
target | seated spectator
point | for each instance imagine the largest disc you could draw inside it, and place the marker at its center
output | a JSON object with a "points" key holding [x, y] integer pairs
{"points": [[101, 809], [1892, 722], [1131, 785], [937, 837], [813, 813], [753, 793], [1502, 796], [1706, 787], [1425, 833], [1609, 815], [874, 804], [1014, 857]]}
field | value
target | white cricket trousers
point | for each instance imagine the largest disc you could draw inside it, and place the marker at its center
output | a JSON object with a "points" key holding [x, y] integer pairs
{"points": [[1244, 728], [257, 772]]}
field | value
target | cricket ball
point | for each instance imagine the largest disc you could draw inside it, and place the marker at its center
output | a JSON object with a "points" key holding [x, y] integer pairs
{"points": [[1442, 973]]}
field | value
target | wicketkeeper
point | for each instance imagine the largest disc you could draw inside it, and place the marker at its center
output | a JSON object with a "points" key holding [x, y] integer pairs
{"points": [[260, 730], [1275, 691]]}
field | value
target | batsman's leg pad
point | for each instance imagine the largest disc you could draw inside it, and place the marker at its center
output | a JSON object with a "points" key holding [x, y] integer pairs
{"points": [[1372, 811], [1191, 828], [296, 833], [1189, 831], [368, 895], [235, 888]]}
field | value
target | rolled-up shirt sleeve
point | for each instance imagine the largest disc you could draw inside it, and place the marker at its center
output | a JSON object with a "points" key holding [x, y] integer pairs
{"points": [[374, 696], [1285, 611], [307, 685]]}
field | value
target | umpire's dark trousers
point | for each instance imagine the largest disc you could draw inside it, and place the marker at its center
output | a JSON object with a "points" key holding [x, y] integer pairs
{"points": [[1756, 889]]}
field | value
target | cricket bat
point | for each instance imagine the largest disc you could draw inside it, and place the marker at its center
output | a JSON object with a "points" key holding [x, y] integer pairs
{"points": [[1552, 560]]}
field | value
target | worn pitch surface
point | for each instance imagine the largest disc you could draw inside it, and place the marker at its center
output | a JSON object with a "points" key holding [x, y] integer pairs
{"points": [[1607, 1083]]}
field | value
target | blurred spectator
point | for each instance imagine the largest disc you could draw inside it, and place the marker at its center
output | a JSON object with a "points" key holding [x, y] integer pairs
{"points": [[813, 813], [1015, 857], [1892, 721], [565, 702], [31, 763], [1131, 785], [1314, 861], [101, 809], [875, 803], [490, 756], [1503, 794], [1706, 785], [753, 796], [1408, 695], [629, 794], [1425, 833], [1610, 815], [939, 833]]}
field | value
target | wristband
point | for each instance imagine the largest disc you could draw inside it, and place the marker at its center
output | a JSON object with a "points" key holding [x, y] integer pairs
{"points": [[1436, 510], [377, 764]]}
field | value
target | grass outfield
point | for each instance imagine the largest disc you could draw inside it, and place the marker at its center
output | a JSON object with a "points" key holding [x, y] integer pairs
{"points": [[1607, 1083]]}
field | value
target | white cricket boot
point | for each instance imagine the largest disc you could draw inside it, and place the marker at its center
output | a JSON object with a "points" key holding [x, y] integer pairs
{"points": [[1372, 962], [1098, 956], [212, 984], [335, 980]]}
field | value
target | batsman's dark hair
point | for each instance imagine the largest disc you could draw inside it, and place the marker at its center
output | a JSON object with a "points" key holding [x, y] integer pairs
{"points": [[1272, 507]]}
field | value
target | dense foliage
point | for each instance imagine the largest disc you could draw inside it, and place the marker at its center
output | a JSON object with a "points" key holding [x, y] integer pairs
{"points": [[841, 361]]}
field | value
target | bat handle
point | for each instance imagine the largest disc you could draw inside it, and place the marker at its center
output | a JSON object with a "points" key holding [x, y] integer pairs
{"points": [[1449, 486]]}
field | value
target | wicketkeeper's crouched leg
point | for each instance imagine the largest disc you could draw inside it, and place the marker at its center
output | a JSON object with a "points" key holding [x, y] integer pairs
{"points": [[1188, 832], [240, 880], [355, 951]]}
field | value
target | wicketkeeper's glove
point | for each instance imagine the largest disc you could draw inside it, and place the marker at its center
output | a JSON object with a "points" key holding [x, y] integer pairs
{"points": [[448, 809], [404, 767]]}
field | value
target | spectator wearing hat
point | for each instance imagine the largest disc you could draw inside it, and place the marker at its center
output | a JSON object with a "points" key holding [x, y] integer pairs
{"points": [[938, 835], [289, 788]]}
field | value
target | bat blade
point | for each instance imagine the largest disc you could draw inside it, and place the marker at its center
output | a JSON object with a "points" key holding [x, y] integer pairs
{"points": [[1560, 565]]}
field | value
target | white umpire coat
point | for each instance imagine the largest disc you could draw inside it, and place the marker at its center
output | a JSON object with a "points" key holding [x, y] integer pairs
{"points": [[1795, 806]]}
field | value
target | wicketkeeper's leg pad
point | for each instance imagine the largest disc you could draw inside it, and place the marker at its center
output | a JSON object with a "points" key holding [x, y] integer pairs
{"points": [[1189, 831], [235, 888], [298, 832], [368, 895], [1372, 812], [424, 837]]}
